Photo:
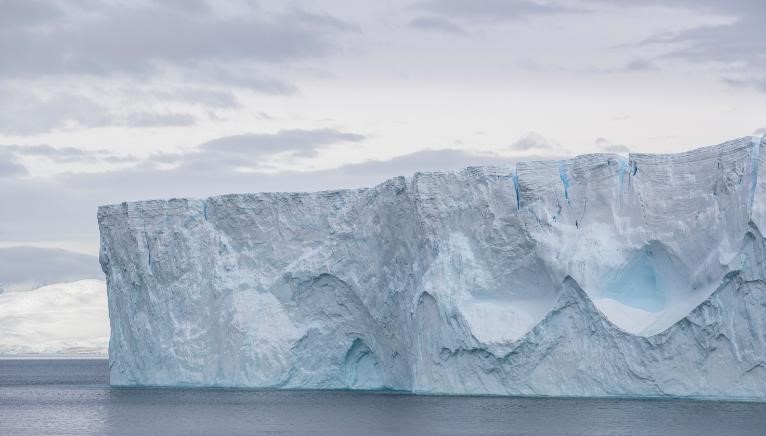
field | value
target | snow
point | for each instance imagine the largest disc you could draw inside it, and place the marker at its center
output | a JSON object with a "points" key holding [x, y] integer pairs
{"points": [[589, 276], [69, 318]]}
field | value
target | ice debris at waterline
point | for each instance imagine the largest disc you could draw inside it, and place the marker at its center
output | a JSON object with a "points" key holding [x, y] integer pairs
{"points": [[598, 275]]}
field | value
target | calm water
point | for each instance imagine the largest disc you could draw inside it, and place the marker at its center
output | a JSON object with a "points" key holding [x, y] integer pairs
{"points": [[72, 397]]}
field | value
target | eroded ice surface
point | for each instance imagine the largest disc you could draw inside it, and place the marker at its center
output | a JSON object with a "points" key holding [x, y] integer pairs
{"points": [[477, 281]]}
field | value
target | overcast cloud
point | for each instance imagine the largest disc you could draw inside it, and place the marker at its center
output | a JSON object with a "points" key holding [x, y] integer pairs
{"points": [[93, 37], [110, 101], [739, 46], [497, 10], [305, 142], [437, 24], [9, 167]]}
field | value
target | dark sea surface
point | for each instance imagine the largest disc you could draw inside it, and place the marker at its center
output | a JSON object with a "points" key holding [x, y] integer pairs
{"points": [[62, 397]]}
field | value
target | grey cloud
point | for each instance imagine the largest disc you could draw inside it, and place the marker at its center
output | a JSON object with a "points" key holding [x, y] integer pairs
{"points": [[607, 146], [24, 113], [616, 148], [24, 268], [737, 7], [9, 167], [304, 142], [63, 154], [325, 21], [532, 141], [241, 75], [743, 41], [495, 10], [125, 37], [640, 65], [761, 131], [151, 119], [44, 150], [758, 84], [634, 66], [437, 24], [187, 6], [228, 153], [202, 96], [265, 85], [23, 13], [117, 159], [739, 46]]}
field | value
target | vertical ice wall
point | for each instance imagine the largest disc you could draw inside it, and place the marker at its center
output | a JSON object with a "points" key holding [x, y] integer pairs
{"points": [[486, 280]]}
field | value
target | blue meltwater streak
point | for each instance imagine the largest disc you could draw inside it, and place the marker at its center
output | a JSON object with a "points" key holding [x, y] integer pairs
{"points": [[623, 168], [564, 178]]}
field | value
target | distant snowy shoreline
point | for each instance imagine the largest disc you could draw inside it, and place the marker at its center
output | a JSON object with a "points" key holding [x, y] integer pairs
{"points": [[54, 356], [63, 319]]}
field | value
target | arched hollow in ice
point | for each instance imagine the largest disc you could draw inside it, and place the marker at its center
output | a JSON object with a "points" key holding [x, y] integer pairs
{"points": [[648, 280]]}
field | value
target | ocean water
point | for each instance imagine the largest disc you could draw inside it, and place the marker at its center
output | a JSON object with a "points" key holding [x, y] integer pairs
{"points": [[63, 397]]}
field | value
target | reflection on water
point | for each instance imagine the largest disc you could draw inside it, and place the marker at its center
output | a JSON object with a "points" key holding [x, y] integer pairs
{"points": [[72, 397]]}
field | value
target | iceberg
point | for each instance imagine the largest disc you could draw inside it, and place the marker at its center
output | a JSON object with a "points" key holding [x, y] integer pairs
{"points": [[600, 275]]}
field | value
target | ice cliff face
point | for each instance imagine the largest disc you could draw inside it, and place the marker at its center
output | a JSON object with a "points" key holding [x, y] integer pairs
{"points": [[598, 275]]}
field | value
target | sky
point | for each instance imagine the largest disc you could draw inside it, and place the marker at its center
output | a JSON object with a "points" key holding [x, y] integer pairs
{"points": [[110, 101]]}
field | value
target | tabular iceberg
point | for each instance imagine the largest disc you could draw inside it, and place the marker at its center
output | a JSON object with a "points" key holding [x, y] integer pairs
{"points": [[595, 276]]}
